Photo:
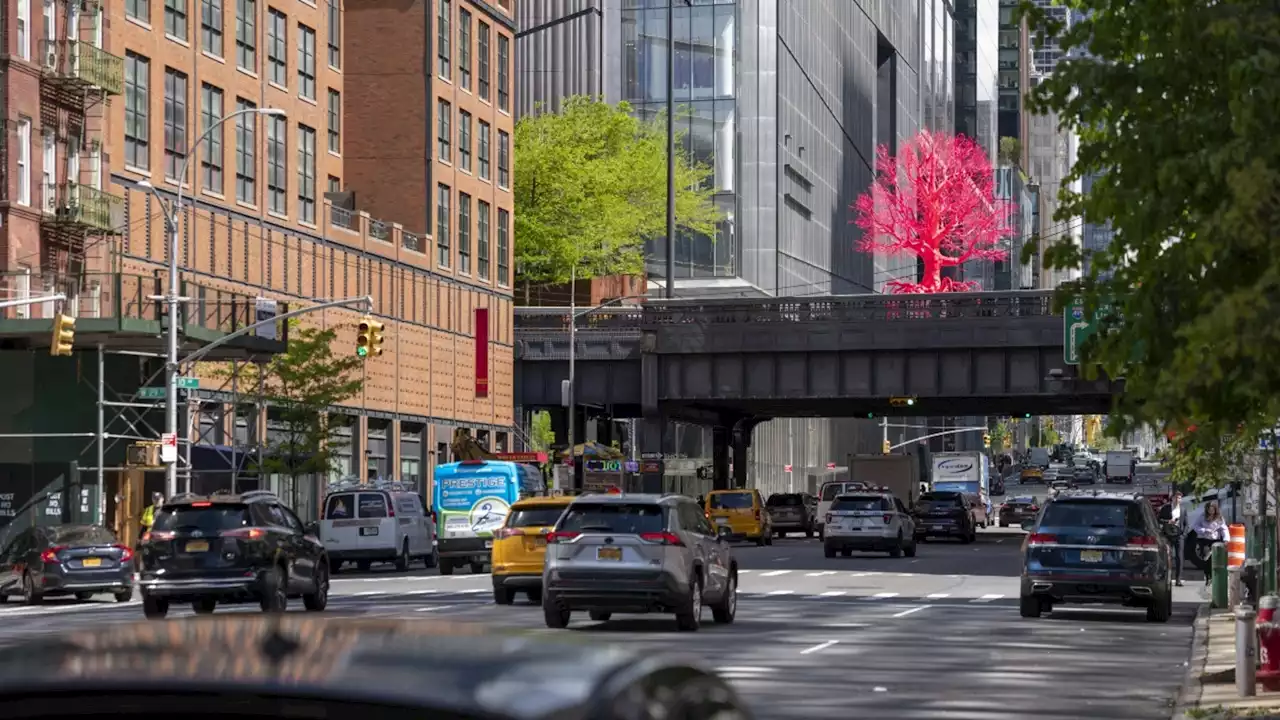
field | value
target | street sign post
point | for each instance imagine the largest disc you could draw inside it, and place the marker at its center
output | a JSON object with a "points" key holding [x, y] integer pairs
{"points": [[1076, 328], [169, 447], [157, 393]]}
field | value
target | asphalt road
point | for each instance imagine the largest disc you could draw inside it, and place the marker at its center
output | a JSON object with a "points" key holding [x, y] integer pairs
{"points": [[935, 636]]}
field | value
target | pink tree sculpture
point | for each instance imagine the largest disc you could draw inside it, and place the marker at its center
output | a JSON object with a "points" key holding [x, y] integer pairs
{"points": [[936, 201]]}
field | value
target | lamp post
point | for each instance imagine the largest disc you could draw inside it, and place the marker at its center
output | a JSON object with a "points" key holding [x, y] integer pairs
{"points": [[172, 299]]}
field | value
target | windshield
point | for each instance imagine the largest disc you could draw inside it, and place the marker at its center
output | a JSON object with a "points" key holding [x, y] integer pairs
{"points": [[214, 519], [863, 504], [1093, 514], [79, 535], [731, 501], [535, 516], [613, 518], [780, 500], [830, 491], [941, 501]]}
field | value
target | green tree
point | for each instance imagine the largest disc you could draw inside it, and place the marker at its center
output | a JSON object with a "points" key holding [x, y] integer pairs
{"points": [[1176, 115], [590, 188], [541, 436], [1011, 151], [300, 387]]}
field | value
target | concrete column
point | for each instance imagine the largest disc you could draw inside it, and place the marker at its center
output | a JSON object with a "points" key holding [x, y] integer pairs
{"points": [[721, 441], [652, 453]]}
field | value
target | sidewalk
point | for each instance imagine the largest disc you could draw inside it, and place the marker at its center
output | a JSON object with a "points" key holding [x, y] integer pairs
{"points": [[1209, 690]]}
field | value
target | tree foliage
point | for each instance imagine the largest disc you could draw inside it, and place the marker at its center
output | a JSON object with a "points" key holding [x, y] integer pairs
{"points": [[541, 436], [934, 200], [590, 188], [1176, 113], [301, 386]]}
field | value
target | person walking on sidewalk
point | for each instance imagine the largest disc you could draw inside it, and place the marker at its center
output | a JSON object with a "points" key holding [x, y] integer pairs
{"points": [[1209, 529], [1171, 515]]}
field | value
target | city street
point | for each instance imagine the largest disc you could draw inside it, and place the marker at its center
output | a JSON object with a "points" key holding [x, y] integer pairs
{"points": [[869, 636]]}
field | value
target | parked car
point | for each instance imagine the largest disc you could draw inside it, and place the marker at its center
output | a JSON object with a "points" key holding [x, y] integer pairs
{"points": [[792, 512], [945, 514], [60, 560]]}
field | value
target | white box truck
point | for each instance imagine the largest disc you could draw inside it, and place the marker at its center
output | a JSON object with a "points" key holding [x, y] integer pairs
{"points": [[899, 473], [966, 472], [1119, 466]]}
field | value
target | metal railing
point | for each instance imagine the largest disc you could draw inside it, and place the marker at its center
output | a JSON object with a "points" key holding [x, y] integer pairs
{"points": [[557, 318], [73, 203], [343, 218], [82, 62], [379, 230], [412, 242], [853, 308]]}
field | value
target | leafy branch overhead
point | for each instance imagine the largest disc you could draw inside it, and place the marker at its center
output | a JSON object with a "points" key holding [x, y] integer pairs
{"points": [[1178, 124], [590, 189]]}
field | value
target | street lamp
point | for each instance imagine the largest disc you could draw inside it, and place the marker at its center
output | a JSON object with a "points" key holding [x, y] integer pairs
{"points": [[172, 299]]}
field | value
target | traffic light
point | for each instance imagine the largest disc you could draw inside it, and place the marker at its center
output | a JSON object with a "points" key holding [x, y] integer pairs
{"points": [[902, 401], [64, 335], [986, 440], [886, 447], [1027, 416], [375, 336], [369, 337]]}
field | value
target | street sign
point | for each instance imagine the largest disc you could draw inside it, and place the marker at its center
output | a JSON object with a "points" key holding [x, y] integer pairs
{"points": [[151, 393], [786, 468], [1076, 328], [169, 447], [265, 309], [831, 466], [189, 383]]}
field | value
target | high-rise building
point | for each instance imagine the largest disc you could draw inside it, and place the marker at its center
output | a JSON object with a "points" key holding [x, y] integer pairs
{"points": [[976, 94], [1015, 78]]}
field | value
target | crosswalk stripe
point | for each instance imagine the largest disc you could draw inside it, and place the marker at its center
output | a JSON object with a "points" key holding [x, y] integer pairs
{"points": [[833, 593], [781, 592], [939, 596], [986, 598], [885, 595], [775, 573], [820, 574], [368, 593]]}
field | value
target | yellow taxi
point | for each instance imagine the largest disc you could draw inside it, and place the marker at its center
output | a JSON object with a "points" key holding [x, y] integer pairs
{"points": [[520, 545], [1031, 474], [743, 512]]}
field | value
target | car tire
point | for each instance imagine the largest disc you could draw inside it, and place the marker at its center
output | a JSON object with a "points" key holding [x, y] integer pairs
{"points": [[822, 532], [910, 550], [364, 565], [808, 532], [896, 550], [154, 608], [30, 595], [402, 560], [431, 559], [446, 566], [334, 567], [317, 601], [599, 615], [846, 553], [273, 598], [828, 551], [555, 616], [502, 595], [689, 617], [204, 606], [1030, 606], [1161, 610], [124, 596], [726, 608]]}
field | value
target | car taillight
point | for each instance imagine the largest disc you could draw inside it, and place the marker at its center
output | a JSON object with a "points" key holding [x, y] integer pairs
{"points": [[560, 536], [157, 535], [126, 553], [757, 515], [665, 538], [1042, 539], [1004, 506], [1034, 508], [888, 518], [51, 555], [391, 512], [1145, 540], [501, 533], [251, 533], [828, 518]]}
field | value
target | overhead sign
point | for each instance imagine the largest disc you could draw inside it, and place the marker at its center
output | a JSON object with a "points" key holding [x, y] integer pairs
{"points": [[1076, 328], [169, 447], [265, 309]]}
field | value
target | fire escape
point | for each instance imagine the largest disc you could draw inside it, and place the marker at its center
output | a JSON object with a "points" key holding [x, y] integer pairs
{"points": [[77, 80]]}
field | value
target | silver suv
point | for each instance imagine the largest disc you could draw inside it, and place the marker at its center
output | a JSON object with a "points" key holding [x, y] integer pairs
{"points": [[638, 554]]}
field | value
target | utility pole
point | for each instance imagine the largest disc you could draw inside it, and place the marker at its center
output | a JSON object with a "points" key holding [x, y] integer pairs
{"points": [[671, 150], [573, 350]]}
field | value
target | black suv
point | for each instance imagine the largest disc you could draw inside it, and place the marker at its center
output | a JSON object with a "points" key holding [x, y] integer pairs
{"points": [[226, 548], [1096, 547]]}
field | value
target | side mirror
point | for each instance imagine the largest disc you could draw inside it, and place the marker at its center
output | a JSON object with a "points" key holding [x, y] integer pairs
{"points": [[312, 528], [723, 533], [1028, 525]]}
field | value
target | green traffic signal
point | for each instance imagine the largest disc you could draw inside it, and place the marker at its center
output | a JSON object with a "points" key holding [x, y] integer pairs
{"points": [[362, 351], [1028, 416], [870, 415]]}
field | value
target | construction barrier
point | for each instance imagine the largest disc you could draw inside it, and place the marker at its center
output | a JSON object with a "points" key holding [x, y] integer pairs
{"points": [[1235, 546]]}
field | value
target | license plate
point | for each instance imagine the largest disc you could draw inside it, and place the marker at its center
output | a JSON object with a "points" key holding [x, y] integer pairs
{"points": [[198, 546], [1091, 556], [609, 553], [367, 531], [540, 542], [938, 527], [91, 562], [722, 521], [488, 544]]}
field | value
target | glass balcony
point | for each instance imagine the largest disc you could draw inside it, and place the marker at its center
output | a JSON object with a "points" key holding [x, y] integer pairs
{"points": [[80, 63], [84, 206]]}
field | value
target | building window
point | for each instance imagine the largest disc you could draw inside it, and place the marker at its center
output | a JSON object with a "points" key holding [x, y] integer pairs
{"points": [[306, 174], [137, 109], [442, 38], [136, 9], [464, 140], [335, 122], [444, 112], [210, 113], [246, 39], [175, 124], [246, 154], [504, 57], [24, 29], [24, 161], [306, 62], [277, 166], [464, 233], [211, 26], [504, 159], [484, 150], [277, 49], [442, 225], [335, 34], [464, 48], [175, 18], [335, 185], [482, 239], [48, 165], [504, 245], [482, 51]]}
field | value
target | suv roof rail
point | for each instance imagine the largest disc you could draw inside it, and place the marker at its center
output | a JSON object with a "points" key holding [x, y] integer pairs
{"points": [[256, 493]]}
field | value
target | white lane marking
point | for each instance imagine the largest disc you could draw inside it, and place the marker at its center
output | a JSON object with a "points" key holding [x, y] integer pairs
{"points": [[986, 598], [775, 573], [905, 613], [744, 572], [743, 669], [26, 610], [820, 574], [833, 593], [782, 559], [435, 608], [938, 596], [370, 593], [780, 592], [906, 574], [862, 574], [885, 595], [423, 592], [819, 647], [468, 591]]}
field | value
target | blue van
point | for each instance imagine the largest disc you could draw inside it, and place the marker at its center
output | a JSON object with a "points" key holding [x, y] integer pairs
{"points": [[471, 500]]}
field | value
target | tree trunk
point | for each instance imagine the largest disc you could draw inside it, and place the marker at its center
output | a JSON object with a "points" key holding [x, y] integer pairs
{"points": [[932, 278]]}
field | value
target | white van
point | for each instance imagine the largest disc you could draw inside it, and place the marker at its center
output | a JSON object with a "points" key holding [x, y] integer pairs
{"points": [[383, 522], [827, 495]]}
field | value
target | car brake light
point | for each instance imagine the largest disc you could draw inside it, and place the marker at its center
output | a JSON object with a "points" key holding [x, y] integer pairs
{"points": [[556, 536], [1145, 540], [888, 518], [202, 504], [1042, 539], [157, 535], [665, 538], [126, 553], [1034, 508], [51, 555], [828, 518], [757, 515], [250, 533], [501, 533]]}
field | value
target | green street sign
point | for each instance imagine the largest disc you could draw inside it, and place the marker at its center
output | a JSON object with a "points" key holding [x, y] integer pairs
{"points": [[151, 393], [1076, 328], [189, 383]]}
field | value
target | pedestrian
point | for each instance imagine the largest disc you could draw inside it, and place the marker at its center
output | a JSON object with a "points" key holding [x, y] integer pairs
{"points": [[1171, 515], [1209, 529], [149, 514]]}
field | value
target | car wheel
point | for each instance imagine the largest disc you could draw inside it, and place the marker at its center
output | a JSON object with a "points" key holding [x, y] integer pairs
{"points": [[689, 617], [1029, 606], [477, 568], [599, 615], [502, 595], [1161, 610], [432, 559], [724, 611], [446, 566], [204, 606], [896, 550], [334, 567], [402, 560], [556, 617], [82, 596], [318, 600], [808, 532], [846, 553], [154, 608], [273, 598], [828, 551], [124, 596], [910, 550], [30, 595]]}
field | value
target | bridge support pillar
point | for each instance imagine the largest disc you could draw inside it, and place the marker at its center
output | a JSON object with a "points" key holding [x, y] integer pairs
{"points": [[652, 429], [721, 442]]}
